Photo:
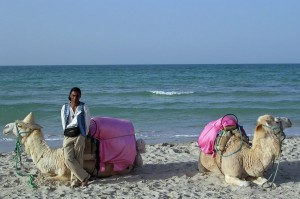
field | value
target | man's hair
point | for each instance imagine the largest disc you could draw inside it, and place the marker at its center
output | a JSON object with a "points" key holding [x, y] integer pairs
{"points": [[76, 89]]}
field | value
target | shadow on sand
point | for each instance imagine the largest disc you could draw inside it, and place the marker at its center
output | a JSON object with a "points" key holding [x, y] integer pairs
{"points": [[287, 172], [157, 172]]}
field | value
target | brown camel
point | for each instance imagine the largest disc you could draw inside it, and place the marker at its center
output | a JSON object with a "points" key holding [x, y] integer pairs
{"points": [[249, 162]]}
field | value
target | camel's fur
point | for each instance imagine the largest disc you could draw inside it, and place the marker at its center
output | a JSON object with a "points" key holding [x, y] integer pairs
{"points": [[249, 162], [51, 161]]}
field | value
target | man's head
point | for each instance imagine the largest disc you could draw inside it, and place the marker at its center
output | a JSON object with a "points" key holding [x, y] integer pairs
{"points": [[74, 95]]}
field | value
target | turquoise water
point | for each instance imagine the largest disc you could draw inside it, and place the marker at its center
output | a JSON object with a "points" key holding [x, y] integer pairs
{"points": [[166, 103]]}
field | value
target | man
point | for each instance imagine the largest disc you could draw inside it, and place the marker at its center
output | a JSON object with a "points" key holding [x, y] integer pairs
{"points": [[75, 119]]}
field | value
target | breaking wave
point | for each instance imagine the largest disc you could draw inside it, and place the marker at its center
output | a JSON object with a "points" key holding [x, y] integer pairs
{"points": [[171, 92]]}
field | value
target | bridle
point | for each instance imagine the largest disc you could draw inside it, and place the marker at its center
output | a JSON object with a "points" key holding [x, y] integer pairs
{"points": [[20, 133], [18, 151], [274, 130]]}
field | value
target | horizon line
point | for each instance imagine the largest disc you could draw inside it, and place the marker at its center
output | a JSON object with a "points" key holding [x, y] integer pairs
{"points": [[144, 64]]}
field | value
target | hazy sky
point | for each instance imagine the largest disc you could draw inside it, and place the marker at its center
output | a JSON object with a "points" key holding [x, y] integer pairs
{"points": [[40, 32]]}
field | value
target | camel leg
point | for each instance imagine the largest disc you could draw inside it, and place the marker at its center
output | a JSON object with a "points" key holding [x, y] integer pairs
{"points": [[236, 181]]}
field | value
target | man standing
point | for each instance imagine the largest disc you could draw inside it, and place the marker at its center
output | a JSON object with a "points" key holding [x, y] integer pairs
{"points": [[75, 119]]}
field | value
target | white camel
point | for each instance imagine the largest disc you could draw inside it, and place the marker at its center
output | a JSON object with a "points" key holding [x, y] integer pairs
{"points": [[249, 162], [50, 161]]}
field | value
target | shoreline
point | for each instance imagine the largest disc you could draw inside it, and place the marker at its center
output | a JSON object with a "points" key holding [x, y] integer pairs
{"points": [[9, 146], [169, 171]]}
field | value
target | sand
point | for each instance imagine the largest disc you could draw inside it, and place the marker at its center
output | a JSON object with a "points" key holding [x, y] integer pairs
{"points": [[169, 171]]}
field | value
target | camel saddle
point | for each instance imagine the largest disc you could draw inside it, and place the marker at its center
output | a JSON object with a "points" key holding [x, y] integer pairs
{"points": [[216, 134], [116, 142]]}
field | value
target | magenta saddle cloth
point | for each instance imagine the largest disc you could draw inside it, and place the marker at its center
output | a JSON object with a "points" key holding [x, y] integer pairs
{"points": [[206, 139], [117, 141]]}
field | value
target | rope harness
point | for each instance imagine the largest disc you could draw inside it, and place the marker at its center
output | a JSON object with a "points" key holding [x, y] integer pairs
{"points": [[18, 159], [225, 134]]}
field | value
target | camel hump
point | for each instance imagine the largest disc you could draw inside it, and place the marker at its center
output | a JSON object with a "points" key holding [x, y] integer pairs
{"points": [[117, 141], [206, 139], [103, 128]]}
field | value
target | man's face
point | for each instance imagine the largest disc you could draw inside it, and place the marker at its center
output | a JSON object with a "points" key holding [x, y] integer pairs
{"points": [[75, 96]]}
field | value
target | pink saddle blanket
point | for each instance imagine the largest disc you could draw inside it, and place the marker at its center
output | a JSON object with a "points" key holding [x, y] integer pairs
{"points": [[206, 139], [117, 141]]}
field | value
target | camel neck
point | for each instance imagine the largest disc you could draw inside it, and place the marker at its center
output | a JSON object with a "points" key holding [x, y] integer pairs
{"points": [[35, 145]]}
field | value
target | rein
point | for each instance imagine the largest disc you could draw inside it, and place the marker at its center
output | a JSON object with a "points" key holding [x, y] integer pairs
{"points": [[18, 159]]}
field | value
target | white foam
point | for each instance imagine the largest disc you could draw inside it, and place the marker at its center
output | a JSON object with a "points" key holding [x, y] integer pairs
{"points": [[187, 136], [171, 92], [7, 139]]}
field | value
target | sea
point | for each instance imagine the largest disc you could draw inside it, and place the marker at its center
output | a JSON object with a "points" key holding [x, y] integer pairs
{"points": [[165, 103]]}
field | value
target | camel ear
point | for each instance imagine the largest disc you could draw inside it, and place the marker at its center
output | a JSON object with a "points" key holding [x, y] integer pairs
{"points": [[29, 119], [259, 131], [35, 126], [268, 123], [265, 119], [258, 127]]}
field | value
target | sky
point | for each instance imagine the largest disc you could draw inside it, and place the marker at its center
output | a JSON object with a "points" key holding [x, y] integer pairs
{"points": [[116, 32]]}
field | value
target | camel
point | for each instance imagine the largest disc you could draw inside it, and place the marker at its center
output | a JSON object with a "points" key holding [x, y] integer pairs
{"points": [[50, 161], [240, 166]]}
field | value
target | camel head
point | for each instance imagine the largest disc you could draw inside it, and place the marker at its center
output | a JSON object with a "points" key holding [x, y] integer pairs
{"points": [[275, 124], [285, 122], [22, 128], [272, 126]]}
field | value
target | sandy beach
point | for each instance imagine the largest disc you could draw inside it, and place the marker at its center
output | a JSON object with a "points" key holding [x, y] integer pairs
{"points": [[169, 171]]}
